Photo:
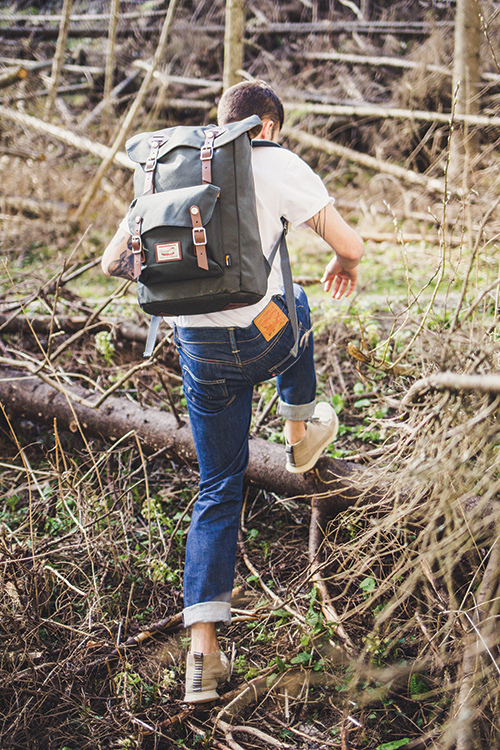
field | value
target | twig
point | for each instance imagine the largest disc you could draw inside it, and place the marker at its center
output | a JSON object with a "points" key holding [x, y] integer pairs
{"points": [[264, 414], [173, 407], [271, 741], [452, 381], [231, 741], [135, 640], [466, 710], [293, 730], [179, 521], [277, 601], [472, 261], [65, 580], [94, 316], [110, 57]]}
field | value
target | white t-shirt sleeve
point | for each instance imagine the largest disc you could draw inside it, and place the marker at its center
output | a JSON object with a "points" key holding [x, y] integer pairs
{"points": [[124, 225], [303, 192]]}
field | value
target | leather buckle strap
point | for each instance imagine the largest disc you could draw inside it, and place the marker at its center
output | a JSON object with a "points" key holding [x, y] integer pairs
{"points": [[149, 168], [137, 247], [207, 153], [199, 237]]}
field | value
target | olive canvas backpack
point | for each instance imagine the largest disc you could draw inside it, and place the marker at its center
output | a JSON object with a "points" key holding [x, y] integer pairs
{"points": [[193, 221]]}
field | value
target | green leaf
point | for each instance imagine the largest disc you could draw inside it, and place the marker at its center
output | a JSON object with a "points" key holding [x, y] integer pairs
{"points": [[367, 585], [362, 403], [301, 658], [394, 745], [417, 685], [280, 664]]}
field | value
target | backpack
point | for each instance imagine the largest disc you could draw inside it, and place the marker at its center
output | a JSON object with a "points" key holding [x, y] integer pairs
{"points": [[193, 221]]}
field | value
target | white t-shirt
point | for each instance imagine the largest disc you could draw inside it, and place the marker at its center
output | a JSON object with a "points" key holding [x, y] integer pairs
{"points": [[285, 186]]}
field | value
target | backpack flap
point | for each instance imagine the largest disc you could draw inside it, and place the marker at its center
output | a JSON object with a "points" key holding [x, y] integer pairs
{"points": [[180, 234], [138, 147]]}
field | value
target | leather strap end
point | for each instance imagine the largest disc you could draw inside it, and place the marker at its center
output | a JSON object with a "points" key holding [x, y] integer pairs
{"points": [[199, 237], [137, 247]]}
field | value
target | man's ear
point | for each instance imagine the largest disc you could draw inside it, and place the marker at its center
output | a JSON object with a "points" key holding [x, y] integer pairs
{"points": [[267, 131]]}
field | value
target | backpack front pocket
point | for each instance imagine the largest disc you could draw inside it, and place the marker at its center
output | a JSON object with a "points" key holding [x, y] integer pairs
{"points": [[180, 234]]}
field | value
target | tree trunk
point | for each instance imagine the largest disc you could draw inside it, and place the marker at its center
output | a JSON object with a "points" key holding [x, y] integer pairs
{"points": [[29, 398], [465, 91], [58, 57], [233, 42], [110, 59]]}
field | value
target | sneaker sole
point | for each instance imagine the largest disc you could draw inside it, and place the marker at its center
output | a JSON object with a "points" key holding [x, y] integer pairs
{"points": [[201, 697], [314, 459]]}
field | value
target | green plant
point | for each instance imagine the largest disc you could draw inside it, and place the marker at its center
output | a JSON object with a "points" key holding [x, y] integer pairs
{"points": [[394, 745], [105, 346], [367, 586]]}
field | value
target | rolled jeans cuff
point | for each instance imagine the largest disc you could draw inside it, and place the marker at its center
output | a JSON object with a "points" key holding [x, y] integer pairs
{"points": [[296, 412], [207, 612]]}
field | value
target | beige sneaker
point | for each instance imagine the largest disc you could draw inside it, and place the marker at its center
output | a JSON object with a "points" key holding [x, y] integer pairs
{"points": [[204, 672], [320, 432]]}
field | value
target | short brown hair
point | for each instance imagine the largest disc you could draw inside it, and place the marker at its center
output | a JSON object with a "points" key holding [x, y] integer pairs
{"points": [[250, 98]]}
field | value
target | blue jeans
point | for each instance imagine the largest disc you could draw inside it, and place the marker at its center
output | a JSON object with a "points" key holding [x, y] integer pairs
{"points": [[220, 367]]}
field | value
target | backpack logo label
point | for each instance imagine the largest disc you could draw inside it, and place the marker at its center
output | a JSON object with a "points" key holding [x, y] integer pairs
{"points": [[167, 251]]}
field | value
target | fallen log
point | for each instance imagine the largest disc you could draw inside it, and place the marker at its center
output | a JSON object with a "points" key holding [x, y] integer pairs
{"points": [[79, 142], [33, 207], [335, 149], [36, 25], [69, 324], [29, 398], [8, 77], [377, 111]]}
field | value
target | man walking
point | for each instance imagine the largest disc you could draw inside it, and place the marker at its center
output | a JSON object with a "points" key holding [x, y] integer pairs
{"points": [[223, 355]]}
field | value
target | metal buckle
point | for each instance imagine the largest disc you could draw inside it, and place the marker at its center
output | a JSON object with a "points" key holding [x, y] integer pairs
{"points": [[206, 153], [136, 244], [199, 230], [136, 237], [155, 144]]}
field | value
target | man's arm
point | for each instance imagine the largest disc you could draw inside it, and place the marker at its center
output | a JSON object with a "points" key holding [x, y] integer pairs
{"points": [[341, 273], [118, 259]]}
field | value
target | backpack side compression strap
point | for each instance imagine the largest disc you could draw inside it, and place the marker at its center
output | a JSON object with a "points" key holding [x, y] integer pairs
{"points": [[286, 271], [286, 268]]}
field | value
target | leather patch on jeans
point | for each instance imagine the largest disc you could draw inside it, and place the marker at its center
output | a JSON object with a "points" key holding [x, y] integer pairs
{"points": [[271, 320]]}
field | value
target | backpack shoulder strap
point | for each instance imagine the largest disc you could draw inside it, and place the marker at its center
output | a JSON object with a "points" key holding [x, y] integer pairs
{"points": [[286, 268]]}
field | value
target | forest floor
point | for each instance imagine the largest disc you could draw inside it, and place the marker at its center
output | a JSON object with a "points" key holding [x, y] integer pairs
{"points": [[92, 531]]}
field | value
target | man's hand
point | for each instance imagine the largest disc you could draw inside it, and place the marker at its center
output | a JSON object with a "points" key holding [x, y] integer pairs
{"points": [[338, 281], [341, 273]]}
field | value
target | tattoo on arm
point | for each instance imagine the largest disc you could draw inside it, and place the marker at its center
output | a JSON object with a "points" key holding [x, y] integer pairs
{"points": [[319, 223], [124, 265]]}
